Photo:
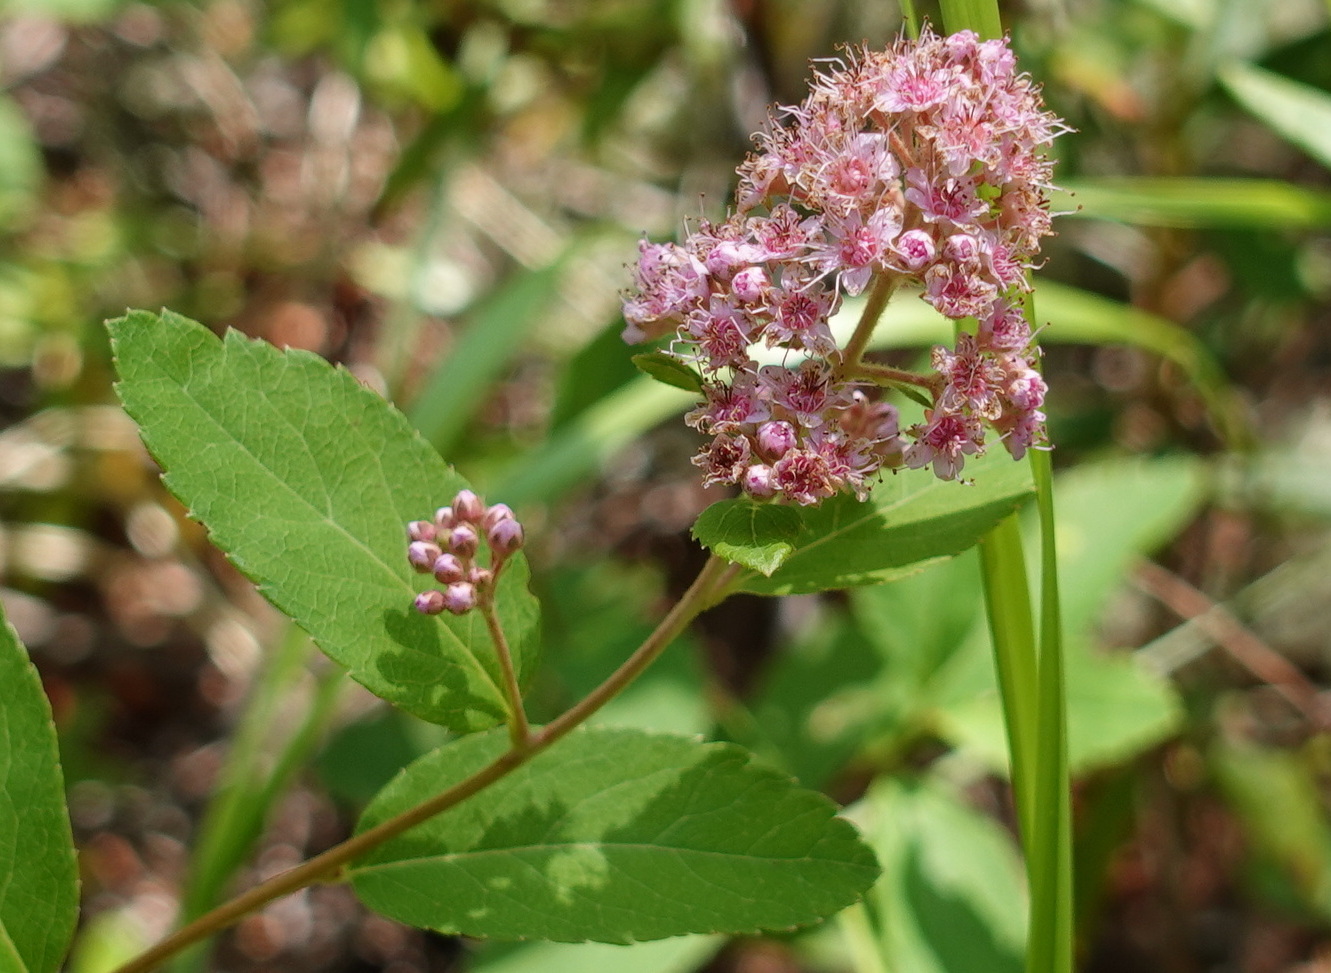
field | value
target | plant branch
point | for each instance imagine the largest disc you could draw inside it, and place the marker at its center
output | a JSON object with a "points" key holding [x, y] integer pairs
{"points": [[708, 588], [884, 285], [519, 730]]}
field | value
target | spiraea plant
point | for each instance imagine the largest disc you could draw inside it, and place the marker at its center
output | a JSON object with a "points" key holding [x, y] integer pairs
{"points": [[922, 165], [919, 165]]}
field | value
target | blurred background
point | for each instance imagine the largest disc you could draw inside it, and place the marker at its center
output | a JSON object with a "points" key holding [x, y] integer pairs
{"points": [[443, 197]]}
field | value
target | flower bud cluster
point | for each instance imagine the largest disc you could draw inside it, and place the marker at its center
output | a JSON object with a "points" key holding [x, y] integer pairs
{"points": [[446, 547], [920, 164]]}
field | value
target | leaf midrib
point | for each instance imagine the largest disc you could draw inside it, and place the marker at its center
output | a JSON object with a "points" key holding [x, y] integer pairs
{"points": [[325, 517]]}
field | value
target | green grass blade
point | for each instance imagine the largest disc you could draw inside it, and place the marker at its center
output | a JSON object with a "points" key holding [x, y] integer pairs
{"points": [[1007, 601], [1050, 850], [1190, 202], [1298, 112]]}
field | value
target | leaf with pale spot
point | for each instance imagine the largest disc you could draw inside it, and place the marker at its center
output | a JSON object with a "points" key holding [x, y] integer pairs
{"points": [[613, 835]]}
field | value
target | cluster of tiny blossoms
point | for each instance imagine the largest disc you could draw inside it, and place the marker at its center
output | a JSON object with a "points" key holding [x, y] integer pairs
{"points": [[446, 547], [920, 164]]}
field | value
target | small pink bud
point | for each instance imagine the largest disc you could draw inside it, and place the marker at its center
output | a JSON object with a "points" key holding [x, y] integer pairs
{"points": [[962, 247], [421, 554], [480, 577], [444, 519], [459, 598], [749, 284], [776, 438], [420, 530], [916, 248], [467, 507], [496, 513], [463, 540], [430, 602], [447, 569], [759, 482], [504, 538]]}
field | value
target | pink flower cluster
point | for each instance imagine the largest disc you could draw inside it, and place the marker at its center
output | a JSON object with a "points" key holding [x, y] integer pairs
{"points": [[920, 164], [446, 547]]}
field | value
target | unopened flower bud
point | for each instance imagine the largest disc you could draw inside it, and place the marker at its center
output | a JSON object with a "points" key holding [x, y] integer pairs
{"points": [[459, 598], [421, 530], [504, 538], [749, 284], [759, 481], [496, 513], [467, 507], [463, 540], [447, 569], [430, 602], [422, 554], [916, 248], [480, 578], [444, 519], [776, 438], [962, 247]]}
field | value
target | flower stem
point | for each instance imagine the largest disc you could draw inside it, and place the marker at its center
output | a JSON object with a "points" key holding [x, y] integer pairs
{"points": [[710, 586], [519, 730], [885, 374], [884, 285]]}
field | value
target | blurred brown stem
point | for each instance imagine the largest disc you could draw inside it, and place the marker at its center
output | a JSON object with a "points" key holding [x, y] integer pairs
{"points": [[1242, 645]]}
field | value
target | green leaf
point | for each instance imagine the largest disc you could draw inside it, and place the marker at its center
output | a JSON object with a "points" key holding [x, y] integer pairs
{"points": [[666, 368], [1299, 112], [1187, 202], [759, 536], [612, 835], [307, 479], [951, 899], [39, 884], [910, 520]]}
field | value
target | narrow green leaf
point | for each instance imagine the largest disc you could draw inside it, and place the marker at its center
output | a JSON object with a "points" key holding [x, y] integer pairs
{"points": [[669, 370], [39, 884], [493, 335], [759, 536], [307, 479], [1187, 202], [980, 16], [612, 835], [909, 520], [1299, 112]]}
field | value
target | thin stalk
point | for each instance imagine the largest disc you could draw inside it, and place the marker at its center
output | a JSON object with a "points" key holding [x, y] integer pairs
{"points": [[708, 588], [519, 729], [1051, 938], [884, 285], [882, 374]]}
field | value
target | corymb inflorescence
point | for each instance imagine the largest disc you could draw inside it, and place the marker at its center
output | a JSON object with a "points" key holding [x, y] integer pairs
{"points": [[446, 547], [923, 164]]}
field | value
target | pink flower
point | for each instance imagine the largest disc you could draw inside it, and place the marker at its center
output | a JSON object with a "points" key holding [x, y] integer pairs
{"points": [[944, 440]]}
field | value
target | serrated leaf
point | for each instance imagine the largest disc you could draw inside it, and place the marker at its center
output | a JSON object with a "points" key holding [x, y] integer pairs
{"points": [[612, 835], [307, 480], [669, 370], [39, 885], [909, 521], [757, 535]]}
